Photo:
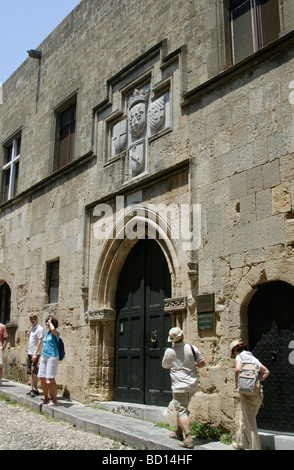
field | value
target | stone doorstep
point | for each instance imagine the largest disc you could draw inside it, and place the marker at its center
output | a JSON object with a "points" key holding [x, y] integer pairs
{"points": [[152, 414], [274, 441]]}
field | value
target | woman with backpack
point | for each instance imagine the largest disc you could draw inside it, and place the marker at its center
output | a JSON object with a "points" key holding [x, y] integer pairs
{"points": [[251, 400], [49, 361]]}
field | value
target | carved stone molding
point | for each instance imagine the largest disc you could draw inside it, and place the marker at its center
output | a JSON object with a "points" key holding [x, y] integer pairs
{"points": [[100, 315], [193, 271], [175, 304], [84, 292]]}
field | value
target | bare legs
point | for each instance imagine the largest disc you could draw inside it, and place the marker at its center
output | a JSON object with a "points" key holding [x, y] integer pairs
{"points": [[53, 390]]}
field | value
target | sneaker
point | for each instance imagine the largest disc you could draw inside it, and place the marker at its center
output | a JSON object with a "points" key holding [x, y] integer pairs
{"points": [[187, 443], [33, 393], [236, 447]]}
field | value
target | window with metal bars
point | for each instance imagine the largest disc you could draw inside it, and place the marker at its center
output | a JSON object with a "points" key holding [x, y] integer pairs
{"points": [[254, 24]]}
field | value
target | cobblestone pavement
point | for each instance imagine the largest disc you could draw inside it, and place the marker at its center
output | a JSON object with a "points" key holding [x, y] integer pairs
{"points": [[23, 429]]}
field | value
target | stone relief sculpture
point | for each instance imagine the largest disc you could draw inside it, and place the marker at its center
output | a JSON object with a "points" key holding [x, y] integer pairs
{"points": [[137, 112], [157, 113], [119, 136], [144, 118], [137, 157]]}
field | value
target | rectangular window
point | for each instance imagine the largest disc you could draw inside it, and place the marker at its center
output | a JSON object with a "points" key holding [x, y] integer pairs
{"points": [[10, 169], [66, 122], [254, 24], [53, 288]]}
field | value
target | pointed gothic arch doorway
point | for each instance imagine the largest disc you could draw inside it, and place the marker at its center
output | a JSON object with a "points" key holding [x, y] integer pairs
{"points": [[271, 332], [142, 326]]}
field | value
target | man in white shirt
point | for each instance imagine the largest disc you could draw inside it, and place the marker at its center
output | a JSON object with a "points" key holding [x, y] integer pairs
{"points": [[182, 360], [35, 336]]}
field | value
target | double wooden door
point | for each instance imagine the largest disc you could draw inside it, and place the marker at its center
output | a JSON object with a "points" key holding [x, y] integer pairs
{"points": [[142, 327]]}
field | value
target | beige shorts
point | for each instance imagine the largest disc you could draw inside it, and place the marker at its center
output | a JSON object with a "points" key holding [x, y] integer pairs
{"points": [[1, 356], [180, 403]]}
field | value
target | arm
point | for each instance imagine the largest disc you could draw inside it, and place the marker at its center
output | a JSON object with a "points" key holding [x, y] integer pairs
{"points": [[264, 373], [199, 359], [52, 328], [167, 361], [237, 371], [38, 349], [41, 339], [200, 364], [5, 338]]}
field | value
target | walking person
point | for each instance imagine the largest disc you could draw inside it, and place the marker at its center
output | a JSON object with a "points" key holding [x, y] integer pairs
{"points": [[182, 360], [247, 435], [49, 361], [35, 336], [3, 342]]}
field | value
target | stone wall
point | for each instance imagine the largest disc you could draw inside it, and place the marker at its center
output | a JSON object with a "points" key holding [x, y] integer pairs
{"points": [[228, 148]]}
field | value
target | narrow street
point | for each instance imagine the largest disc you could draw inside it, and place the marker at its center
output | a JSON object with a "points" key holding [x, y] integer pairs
{"points": [[23, 429]]}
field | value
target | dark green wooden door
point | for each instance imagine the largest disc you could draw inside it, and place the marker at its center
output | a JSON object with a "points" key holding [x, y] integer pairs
{"points": [[142, 327], [271, 331]]}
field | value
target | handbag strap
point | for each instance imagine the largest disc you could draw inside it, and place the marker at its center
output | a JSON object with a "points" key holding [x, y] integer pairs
{"points": [[192, 349]]}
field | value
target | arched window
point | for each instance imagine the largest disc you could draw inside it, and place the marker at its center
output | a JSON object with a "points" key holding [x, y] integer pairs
{"points": [[5, 295]]}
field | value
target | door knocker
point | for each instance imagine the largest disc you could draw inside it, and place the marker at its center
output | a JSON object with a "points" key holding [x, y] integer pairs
{"points": [[154, 337]]}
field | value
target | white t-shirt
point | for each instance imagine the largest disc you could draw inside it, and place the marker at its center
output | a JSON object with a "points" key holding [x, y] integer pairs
{"points": [[181, 363], [35, 334], [247, 357]]}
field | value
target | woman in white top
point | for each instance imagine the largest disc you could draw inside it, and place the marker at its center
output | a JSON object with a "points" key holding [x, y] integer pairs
{"points": [[247, 436]]}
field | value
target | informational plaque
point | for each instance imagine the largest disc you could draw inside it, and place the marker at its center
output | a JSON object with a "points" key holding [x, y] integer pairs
{"points": [[205, 309]]}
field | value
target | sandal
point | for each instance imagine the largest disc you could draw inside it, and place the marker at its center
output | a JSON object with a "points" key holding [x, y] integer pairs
{"points": [[175, 435]]}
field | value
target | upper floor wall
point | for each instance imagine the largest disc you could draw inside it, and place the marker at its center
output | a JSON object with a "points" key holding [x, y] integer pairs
{"points": [[49, 118]]}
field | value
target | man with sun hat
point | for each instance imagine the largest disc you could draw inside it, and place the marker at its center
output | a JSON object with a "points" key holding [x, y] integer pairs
{"points": [[182, 361]]}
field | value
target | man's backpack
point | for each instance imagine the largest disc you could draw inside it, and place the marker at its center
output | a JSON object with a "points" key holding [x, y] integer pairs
{"points": [[248, 382]]}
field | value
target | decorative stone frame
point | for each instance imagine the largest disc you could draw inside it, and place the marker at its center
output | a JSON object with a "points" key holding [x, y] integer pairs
{"points": [[101, 313]]}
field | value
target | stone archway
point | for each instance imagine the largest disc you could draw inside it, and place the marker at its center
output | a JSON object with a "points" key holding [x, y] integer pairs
{"points": [[270, 332], [102, 300], [258, 278], [277, 270]]}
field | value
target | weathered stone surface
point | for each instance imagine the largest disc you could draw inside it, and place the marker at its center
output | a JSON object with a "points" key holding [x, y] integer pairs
{"points": [[225, 144]]}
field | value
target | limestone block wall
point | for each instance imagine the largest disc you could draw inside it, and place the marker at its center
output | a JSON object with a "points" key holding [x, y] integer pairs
{"points": [[242, 154], [229, 148]]}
